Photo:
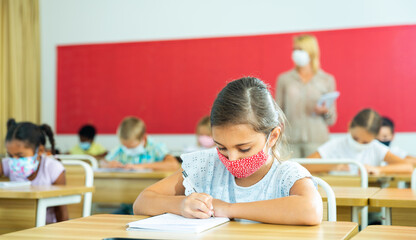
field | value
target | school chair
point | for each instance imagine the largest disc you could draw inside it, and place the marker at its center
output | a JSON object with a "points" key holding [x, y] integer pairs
{"points": [[331, 204], [363, 180], [75, 177], [413, 181], [336, 161], [93, 162]]}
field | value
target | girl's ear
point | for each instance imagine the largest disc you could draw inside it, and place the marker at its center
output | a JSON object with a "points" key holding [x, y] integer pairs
{"points": [[145, 139], [41, 150], [274, 135]]}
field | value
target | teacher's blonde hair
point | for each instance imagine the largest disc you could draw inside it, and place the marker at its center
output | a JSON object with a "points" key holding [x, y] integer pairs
{"points": [[309, 43]]}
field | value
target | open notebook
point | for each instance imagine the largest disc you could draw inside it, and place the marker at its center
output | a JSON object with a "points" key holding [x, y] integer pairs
{"points": [[169, 222], [14, 184]]}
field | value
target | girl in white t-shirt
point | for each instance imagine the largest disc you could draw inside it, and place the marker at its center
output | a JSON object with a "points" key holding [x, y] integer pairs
{"points": [[361, 144], [242, 177]]}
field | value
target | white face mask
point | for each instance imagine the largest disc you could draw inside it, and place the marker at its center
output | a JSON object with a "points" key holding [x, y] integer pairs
{"points": [[359, 147], [134, 151], [300, 58]]}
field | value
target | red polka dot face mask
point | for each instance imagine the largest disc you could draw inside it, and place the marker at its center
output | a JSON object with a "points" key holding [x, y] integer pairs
{"points": [[244, 167]]}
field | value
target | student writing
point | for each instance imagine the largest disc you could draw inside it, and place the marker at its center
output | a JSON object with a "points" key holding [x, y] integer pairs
{"points": [[27, 161], [243, 177]]}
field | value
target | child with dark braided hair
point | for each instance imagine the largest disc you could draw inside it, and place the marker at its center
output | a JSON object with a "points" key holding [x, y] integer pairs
{"points": [[27, 160]]}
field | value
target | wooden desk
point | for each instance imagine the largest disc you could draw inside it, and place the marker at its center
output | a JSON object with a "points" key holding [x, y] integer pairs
{"points": [[350, 201], [107, 225], [25, 207], [386, 233], [383, 181], [123, 187], [354, 181], [398, 206]]}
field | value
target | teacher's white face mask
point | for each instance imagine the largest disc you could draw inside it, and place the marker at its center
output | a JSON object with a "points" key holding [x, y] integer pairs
{"points": [[300, 58]]}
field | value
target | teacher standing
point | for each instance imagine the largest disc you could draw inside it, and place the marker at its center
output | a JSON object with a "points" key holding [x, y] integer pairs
{"points": [[298, 91]]}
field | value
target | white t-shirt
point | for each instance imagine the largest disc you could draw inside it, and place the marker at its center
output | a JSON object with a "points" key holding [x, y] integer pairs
{"points": [[373, 155], [398, 152], [209, 175]]}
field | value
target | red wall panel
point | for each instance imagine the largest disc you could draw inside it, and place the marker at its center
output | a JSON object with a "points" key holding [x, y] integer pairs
{"points": [[171, 84]]}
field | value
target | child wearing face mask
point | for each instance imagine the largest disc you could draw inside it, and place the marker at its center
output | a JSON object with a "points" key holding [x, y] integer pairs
{"points": [[361, 144], [203, 135], [87, 145], [244, 177], [27, 161], [137, 150], [386, 136]]}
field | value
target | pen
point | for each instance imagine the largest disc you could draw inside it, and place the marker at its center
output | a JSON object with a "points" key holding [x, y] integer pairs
{"points": [[189, 184], [187, 181]]}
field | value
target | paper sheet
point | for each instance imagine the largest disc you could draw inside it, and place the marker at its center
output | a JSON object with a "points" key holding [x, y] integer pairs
{"points": [[175, 223], [328, 99]]}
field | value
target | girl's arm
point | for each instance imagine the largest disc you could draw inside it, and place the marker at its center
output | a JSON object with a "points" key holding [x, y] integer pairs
{"points": [[61, 212], [411, 159], [169, 163], [395, 165], [302, 207], [168, 195]]}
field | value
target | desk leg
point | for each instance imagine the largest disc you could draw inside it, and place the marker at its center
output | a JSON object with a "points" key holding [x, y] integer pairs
{"points": [[44, 203], [364, 217], [386, 216], [354, 214]]}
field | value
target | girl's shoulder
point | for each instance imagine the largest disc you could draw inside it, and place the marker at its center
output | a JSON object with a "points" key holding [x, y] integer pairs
{"points": [[289, 168], [204, 170], [51, 162], [50, 170], [287, 173], [200, 158]]}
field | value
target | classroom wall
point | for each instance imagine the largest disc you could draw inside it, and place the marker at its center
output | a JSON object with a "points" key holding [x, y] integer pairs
{"points": [[96, 21]]}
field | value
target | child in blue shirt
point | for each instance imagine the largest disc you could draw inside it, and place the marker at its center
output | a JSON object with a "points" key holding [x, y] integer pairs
{"points": [[137, 150]]}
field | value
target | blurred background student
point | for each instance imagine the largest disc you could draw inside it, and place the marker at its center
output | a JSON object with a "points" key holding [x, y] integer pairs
{"points": [[28, 161], [87, 145], [386, 137], [137, 150], [298, 91], [203, 136], [361, 144]]}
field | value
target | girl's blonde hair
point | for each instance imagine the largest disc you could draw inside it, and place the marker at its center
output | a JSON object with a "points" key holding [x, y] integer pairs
{"points": [[309, 43], [203, 122], [131, 128]]}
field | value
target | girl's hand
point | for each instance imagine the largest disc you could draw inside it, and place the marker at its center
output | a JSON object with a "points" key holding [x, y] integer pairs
{"points": [[197, 205], [133, 166], [114, 164], [372, 170], [221, 208]]}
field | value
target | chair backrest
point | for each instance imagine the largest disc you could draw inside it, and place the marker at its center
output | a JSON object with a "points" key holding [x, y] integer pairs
{"points": [[90, 159], [88, 181], [413, 181], [330, 195], [363, 171]]}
